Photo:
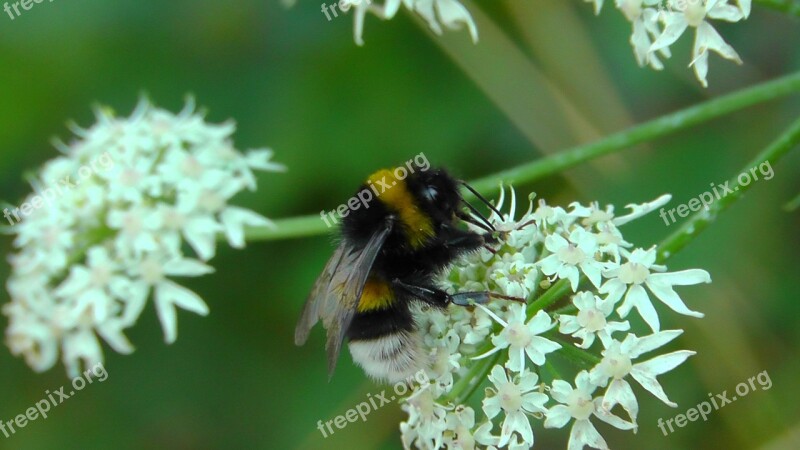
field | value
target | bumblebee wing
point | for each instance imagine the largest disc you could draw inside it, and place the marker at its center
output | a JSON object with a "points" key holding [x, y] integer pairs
{"points": [[347, 286], [318, 296]]}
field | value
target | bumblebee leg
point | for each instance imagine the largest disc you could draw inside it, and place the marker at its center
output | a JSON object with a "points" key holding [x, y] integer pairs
{"points": [[463, 298], [440, 298], [431, 296]]}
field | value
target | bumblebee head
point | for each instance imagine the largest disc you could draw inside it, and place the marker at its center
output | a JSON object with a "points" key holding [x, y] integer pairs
{"points": [[437, 193]]}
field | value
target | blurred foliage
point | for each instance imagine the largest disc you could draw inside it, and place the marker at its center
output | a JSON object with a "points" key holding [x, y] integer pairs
{"points": [[335, 112]]}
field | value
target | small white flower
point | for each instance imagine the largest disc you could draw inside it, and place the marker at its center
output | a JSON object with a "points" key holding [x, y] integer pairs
{"points": [[630, 278], [579, 405], [516, 398], [460, 423], [643, 18], [617, 363], [694, 13], [514, 275], [427, 421], [569, 255], [522, 338], [546, 216], [591, 320]]}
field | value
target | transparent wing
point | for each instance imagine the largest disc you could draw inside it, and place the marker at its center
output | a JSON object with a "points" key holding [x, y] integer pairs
{"points": [[320, 294], [334, 297]]}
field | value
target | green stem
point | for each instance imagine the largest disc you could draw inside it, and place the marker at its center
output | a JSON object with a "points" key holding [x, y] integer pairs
{"points": [[290, 228], [474, 386], [575, 354], [552, 371], [641, 133], [791, 7], [313, 225], [702, 219], [550, 296]]}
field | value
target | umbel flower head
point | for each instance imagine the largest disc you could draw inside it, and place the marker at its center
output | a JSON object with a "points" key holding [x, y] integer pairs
{"points": [[657, 24], [515, 354], [130, 204]]}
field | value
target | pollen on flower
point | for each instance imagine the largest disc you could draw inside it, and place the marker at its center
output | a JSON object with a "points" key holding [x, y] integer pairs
{"points": [[633, 273], [580, 405]]}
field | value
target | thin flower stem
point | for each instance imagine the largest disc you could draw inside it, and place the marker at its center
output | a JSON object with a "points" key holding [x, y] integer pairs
{"points": [[552, 371], [474, 386], [313, 225], [290, 228], [555, 293], [791, 7], [469, 381], [568, 309], [575, 354], [702, 219]]}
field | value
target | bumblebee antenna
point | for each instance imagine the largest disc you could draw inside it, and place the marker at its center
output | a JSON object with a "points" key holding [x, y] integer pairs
{"points": [[471, 220], [479, 215], [481, 198]]}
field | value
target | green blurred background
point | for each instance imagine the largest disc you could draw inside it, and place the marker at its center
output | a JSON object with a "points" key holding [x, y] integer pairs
{"points": [[335, 112]]}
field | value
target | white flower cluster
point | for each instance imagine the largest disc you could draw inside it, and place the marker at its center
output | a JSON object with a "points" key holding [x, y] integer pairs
{"points": [[87, 262], [657, 24], [513, 344], [437, 14]]}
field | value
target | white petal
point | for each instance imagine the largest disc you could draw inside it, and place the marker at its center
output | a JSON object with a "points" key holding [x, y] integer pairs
{"points": [[584, 433], [726, 12], [670, 298], [234, 220], [557, 417], [560, 391], [637, 298], [168, 295], [619, 392], [649, 343], [187, 267], [611, 419], [452, 15], [664, 363], [540, 323], [682, 277], [675, 26]]}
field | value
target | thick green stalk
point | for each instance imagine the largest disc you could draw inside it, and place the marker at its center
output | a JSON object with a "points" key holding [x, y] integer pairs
{"points": [[702, 219], [647, 131], [313, 225]]}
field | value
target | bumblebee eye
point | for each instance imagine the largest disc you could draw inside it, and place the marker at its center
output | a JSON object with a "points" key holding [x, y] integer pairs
{"points": [[431, 193]]}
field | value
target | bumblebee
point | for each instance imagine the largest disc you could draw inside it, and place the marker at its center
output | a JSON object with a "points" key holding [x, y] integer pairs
{"points": [[390, 255]]}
